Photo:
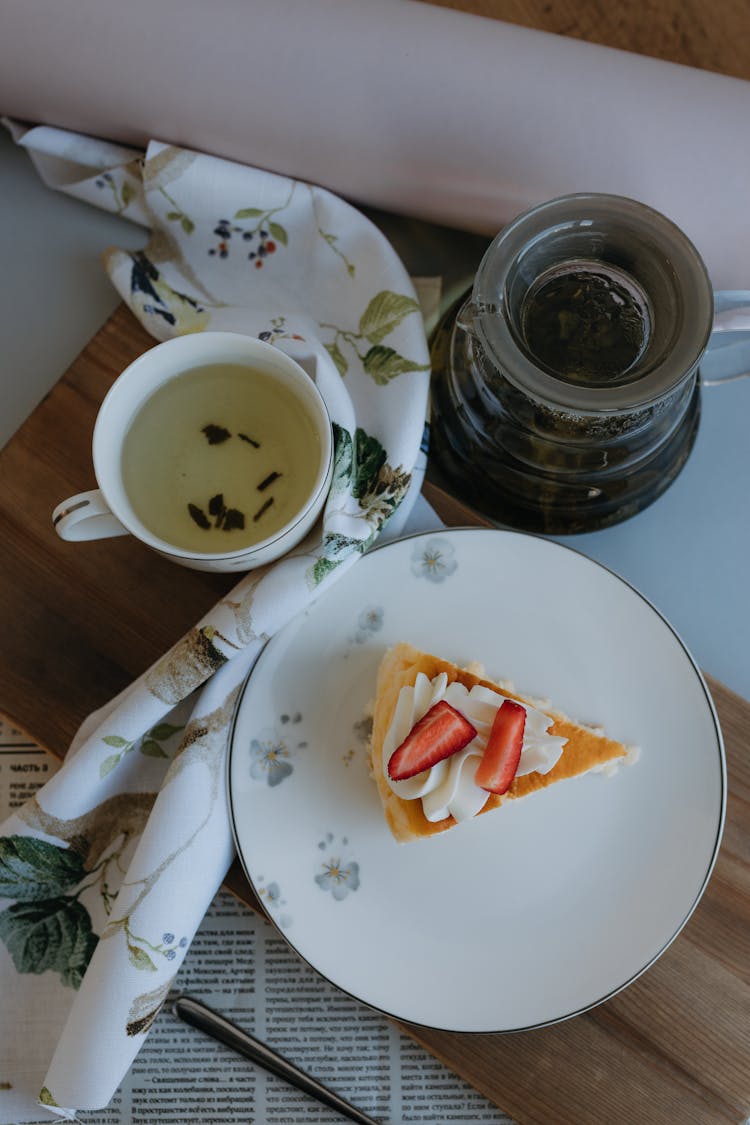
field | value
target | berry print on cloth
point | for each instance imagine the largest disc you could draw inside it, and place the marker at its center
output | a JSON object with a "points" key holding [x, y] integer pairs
{"points": [[107, 873]]}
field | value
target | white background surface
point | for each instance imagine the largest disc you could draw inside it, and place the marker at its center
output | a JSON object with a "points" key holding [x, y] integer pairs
{"points": [[688, 553]]}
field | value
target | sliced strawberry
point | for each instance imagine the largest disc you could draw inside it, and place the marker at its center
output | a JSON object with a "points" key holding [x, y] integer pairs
{"points": [[503, 751], [438, 734]]}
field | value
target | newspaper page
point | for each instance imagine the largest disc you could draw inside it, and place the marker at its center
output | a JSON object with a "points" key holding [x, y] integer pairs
{"points": [[241, 966]]}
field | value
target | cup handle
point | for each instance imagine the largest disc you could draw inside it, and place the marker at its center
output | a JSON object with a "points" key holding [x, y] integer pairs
{"points": [[86, 516], [732, 320], [728, 350]]}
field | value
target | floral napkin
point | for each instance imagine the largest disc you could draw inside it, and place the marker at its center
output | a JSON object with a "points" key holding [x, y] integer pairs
{"points": [[107, 872]]}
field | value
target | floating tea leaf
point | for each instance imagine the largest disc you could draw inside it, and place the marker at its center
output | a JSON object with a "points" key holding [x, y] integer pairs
{"points": [[215, 434], [233, 520], [267, 481], [199, 516], [216, 505]]}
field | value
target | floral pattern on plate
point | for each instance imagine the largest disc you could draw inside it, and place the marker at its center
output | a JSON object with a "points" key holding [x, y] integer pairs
{"points": [[271, 753], [434, 560], [273, 901], [337, 874], [369, 622]]}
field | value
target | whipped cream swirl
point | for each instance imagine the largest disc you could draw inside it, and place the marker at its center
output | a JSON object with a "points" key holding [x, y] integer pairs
{"points": [[448, 788]]}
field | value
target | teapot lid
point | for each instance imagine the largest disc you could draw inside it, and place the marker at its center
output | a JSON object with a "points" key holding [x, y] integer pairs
{"points": [[558, 259]]}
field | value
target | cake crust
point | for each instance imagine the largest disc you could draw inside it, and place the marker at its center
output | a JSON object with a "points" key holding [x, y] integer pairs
{"points": [[583, 750]]}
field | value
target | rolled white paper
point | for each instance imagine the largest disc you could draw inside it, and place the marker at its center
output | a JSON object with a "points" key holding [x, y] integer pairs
{"points": [[420, 110]]}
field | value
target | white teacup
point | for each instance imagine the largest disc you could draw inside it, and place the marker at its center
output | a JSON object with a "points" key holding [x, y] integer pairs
{"points": [[213, 449]]}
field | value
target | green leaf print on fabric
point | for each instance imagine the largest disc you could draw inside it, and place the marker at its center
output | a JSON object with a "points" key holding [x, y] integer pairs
{"points": [[369, 458], [163, 731], [343, 452], [259, 240], [32, 870], [279, 233], [177, 215], [45, 1097], [338, 357], [360, 468], [360, 472], [321, 569], [117, 741], [44, 928], [127, 194], [123, 191], [54, 934], [140, 959], [384, 313], [384, 364], [148, 746], [330, 239], [109, 764], [338, 547], [152, 749]]}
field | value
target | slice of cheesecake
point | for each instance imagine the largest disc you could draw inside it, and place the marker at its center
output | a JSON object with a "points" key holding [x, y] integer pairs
{"points": [[448, 745]]}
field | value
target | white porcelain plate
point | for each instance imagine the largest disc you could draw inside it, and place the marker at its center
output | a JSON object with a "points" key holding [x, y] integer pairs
{"points": [[540, 909]]}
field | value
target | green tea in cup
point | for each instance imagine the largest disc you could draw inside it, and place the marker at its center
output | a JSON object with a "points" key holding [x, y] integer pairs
{"points": [[220, 458]]}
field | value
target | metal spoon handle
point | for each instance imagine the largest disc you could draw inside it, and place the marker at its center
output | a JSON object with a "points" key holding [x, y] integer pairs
{"points": [[198, 1015]]}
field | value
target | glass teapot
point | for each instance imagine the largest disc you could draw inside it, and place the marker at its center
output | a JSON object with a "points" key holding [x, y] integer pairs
{"points": [[565, 389]]}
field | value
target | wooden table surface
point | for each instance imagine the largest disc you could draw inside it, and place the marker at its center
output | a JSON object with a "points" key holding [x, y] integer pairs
{"points": [[672, 1048]]}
